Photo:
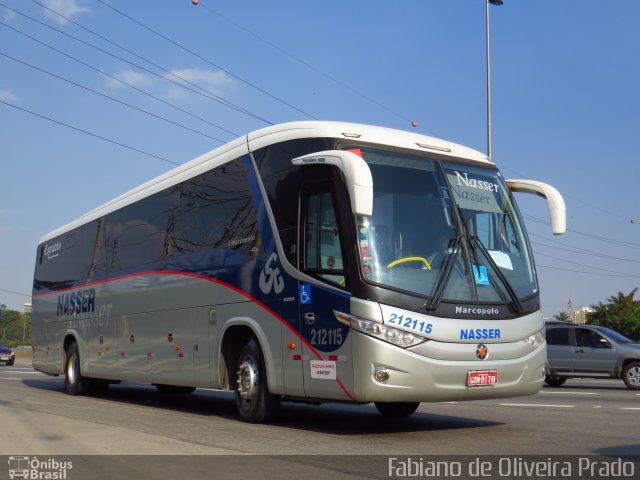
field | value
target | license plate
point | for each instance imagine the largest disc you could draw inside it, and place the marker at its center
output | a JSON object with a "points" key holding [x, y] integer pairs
{"points": [[4, 358], [481, 379]]}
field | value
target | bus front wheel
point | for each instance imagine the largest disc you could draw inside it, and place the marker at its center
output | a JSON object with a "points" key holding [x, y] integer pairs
{"points": [[397, 409], [254, 402], [554, 381]]}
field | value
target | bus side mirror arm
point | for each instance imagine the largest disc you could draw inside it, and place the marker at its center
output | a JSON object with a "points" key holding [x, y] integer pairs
{"points": [[557, 208], [356, 173]]}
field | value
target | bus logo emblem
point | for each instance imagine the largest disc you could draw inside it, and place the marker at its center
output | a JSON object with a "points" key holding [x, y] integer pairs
{"points": [[482, 351], [270, 277]]}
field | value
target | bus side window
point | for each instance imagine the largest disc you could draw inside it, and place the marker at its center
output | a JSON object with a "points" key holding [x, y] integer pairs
{"points": [[322, 256]]}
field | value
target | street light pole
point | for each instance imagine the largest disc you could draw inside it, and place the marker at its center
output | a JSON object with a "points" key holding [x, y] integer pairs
{"points": [[488, 49]]}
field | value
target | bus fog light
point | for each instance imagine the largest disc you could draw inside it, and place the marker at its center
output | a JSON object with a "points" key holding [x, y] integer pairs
{"points": [[382, 375]]}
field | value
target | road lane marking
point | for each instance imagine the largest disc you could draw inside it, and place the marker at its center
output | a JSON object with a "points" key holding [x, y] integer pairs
{"points": [[535, 405], [629, 408], [20, 372], [19, 379], [571, 393]]}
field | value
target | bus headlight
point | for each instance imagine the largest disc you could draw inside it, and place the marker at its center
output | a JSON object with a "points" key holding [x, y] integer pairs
{"points": [[536, 339], [382, 332]]}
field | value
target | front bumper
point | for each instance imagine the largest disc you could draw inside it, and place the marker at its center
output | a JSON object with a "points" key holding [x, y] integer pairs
{"points": [[417, 378]]}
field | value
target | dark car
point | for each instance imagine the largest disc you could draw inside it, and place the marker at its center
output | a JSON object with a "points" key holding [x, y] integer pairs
{"points": [[6, 355], [590, 351]]}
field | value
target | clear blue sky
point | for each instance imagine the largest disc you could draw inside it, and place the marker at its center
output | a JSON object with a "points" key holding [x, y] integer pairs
{"points": [[566, 106]]}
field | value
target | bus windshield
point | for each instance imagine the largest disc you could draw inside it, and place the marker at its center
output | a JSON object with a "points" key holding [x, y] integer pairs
{"points": [[444, 228]]}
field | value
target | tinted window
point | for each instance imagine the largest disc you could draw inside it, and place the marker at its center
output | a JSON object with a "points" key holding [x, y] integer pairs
{"points": [[323, 249], [558, 336], [282, 183], [590, 338], [69, 256], [212, 210]]}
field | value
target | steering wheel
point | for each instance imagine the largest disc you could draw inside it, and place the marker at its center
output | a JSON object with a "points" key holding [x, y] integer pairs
{"points": [[410, 259]]}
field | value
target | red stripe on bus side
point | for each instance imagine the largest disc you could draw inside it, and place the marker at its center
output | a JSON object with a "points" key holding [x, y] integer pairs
{"points": [[344, 389], [198, 276]]}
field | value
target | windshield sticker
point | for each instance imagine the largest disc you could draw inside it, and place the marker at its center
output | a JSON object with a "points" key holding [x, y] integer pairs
{"points": [[474, 194], [364, 250], [502, 259], [481, 275]]}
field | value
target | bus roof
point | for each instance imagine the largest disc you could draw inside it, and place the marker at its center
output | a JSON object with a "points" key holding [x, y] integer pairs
{"points": [[270, 135]]}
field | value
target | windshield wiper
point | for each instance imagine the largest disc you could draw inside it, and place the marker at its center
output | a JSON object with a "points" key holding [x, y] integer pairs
{"points": [[454, 246], [512, 293]]}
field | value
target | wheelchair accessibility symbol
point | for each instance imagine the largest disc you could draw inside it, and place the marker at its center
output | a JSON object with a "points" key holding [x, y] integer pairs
{"points": [[481, 275], [305, 294]]}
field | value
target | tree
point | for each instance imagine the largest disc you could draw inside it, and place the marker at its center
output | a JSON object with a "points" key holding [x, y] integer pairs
{"points": [[621, 313], [15, 328], [562, 317]]}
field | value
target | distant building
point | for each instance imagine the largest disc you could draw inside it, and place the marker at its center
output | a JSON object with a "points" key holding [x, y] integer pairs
{"points": [[579, 316], [27, 308]]}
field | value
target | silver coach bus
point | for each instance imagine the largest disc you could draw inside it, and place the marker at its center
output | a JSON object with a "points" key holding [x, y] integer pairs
{"points": [[316, 261]]}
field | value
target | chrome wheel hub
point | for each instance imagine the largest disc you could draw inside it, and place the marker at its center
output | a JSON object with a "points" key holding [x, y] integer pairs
{"points": [[72, 371], [633, 375], [247, 379]]}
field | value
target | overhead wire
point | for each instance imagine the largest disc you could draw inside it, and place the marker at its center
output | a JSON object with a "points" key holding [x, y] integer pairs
{"points": [[608, 240], [579, 200], [578, 250], [586, 273], [139, 67], [112, 77], [621, 274], [159, 117], [306, 64], [87, 132], [206, 60], [224, 101], [14, 292], [175, 43]]}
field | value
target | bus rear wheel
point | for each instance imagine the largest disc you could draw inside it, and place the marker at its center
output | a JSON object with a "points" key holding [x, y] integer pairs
{"points": [[397, 409], [254, 402], [74, 382]]}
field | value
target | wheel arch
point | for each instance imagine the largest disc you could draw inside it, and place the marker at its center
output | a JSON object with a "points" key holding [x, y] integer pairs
{"points": [[623, 361], [235, 331], [72, 336]]}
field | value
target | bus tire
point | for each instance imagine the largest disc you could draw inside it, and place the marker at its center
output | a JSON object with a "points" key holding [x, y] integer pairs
{"points": [[631, 375], [74, 382], [254, 402], [554, 381], [397, 409]]}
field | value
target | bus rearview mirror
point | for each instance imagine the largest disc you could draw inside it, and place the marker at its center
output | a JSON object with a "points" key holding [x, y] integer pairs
{"points": [[356, 173], [557, 208]]}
